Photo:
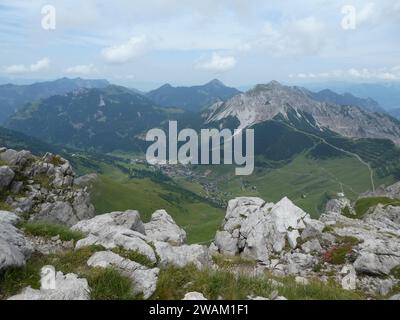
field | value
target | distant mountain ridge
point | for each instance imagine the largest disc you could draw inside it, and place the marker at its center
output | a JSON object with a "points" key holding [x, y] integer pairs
{"points": [[294, 105], [104, 119], [387, 94], [193, 98], [13, 97], [330, 96]]}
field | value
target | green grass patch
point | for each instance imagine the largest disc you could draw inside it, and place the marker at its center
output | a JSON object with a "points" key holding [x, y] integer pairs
{"points": [[13, 280], [347, 213], [134, 256], [43, 180], [305, 181], [48, 230], [4, 206], [114, 191], [328, 228], [173, 283], [110, 284], [57, 161], [227, 262], [363, 205], [338, 253]]}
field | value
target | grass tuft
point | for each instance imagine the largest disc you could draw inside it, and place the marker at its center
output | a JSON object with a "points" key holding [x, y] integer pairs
{"points": [[173, 283], [110, 284], [48, 230]]}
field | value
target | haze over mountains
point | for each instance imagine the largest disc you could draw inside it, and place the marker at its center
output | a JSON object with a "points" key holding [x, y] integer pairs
{"points": [[193, 98], [104, 119], [13, 96], [93, 114], [387, 94]]}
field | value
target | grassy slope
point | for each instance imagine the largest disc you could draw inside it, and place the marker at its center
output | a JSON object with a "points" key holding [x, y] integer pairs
{"points": [[115, 191], [316, 179]]}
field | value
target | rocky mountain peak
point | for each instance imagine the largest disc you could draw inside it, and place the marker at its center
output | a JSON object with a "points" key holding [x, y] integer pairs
{"points": [[215, 83], [273, 101]]}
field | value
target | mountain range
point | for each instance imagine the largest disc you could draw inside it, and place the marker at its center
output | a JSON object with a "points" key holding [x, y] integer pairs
{"points": [[348, 99], [287, 121], [115, 117], [13, 97], [296, 106], [387, 94], [193, 98], [103, 119]]}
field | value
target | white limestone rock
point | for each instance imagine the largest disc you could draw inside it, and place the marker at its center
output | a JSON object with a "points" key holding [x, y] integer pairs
{"points": [[15, 248], [181, 256], [163, 228], [67, 287]]}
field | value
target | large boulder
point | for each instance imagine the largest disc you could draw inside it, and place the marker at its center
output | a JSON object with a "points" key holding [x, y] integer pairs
{"points": [[16, 158], [66, 287], [116, 229], [64, 212], [144, 279], [257, 229], [181, 256], [375, 264], [14, 247], [129, 219], [163, 228], [6, 177], [227, 243]]}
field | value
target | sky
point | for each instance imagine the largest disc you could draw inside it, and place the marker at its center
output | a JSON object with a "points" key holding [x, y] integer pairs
{"points": [[144, 44]]}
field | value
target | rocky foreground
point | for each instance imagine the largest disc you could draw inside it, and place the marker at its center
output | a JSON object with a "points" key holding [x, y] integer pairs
{"points": [[275, 239]]}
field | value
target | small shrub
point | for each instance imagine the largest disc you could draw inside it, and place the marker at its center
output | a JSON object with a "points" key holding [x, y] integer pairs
{"points": [[337, 254], [48, 230], [43, 180], [317, 267], [346, 212], [328, 228], [348, 240], [109, 284], [56, 161]]}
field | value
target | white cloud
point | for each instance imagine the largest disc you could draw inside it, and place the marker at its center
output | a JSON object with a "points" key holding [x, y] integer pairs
{"points": [[387, 73], [126, 52], [82, 69], [40, 65], [291, 37], [217, 63]]}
